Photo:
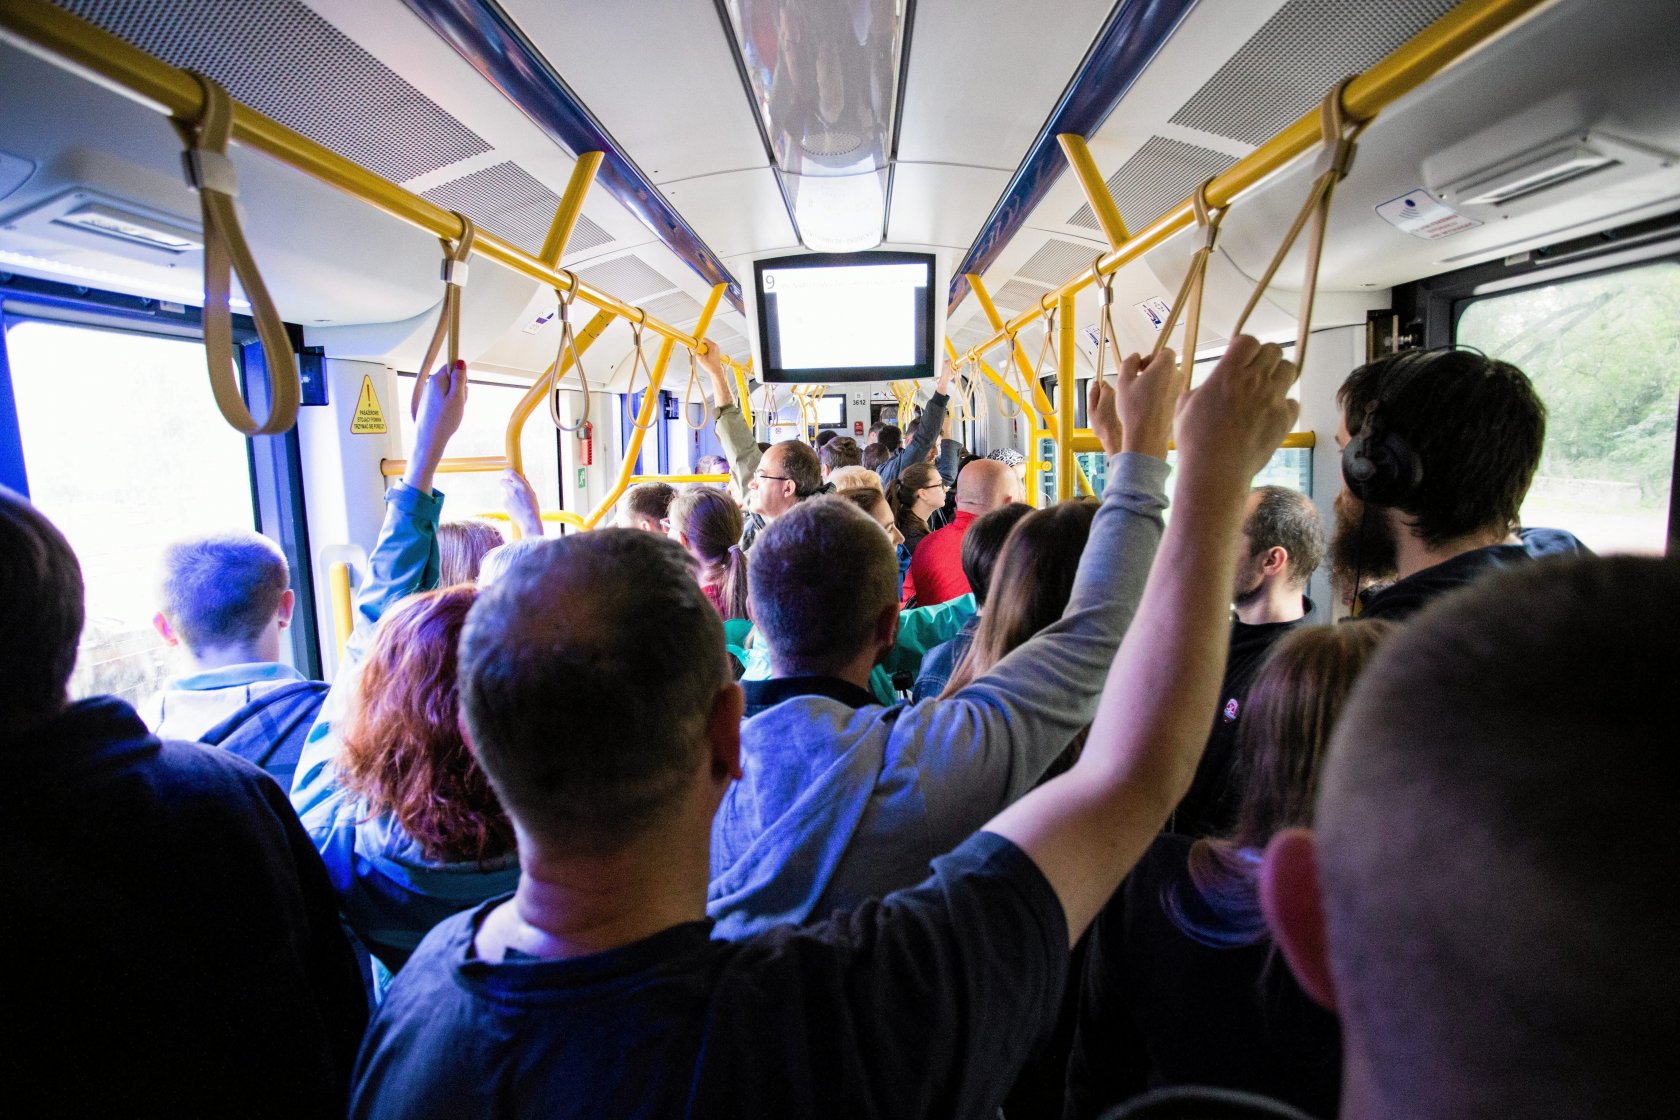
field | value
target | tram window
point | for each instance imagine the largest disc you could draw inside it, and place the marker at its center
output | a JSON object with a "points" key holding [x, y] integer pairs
{"points": [[484, 433], [1601, 352], [125, 451]]}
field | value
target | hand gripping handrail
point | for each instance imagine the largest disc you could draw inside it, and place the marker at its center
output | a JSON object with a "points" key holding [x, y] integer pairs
{"points": [[1334, 162], [211, 173], [567, 346], [456, 253]]}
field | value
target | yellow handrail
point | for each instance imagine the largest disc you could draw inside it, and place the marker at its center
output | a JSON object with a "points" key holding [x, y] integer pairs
{"points": [[1467, 28], [51, 29], [477, 464], [338, 581]]}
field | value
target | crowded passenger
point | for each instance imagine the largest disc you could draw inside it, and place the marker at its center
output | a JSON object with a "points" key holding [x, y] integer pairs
{"points": [[711, 464], [838, 453], [462, 547], [856, 478], [1180, 983], [497, 561], [922, 434], [613, 735], [871, 501], [647, 506], [708, 524], [172, 940], [225, 600], [914, 495], [842, 799], [873, 456], [387, 787], [734, 434], [1282, 546], [1430, 504], [936, 572], [787, 474], [1485, 898], [980, 549]]}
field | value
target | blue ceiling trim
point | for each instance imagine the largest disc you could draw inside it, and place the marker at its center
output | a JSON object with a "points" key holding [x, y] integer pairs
{"points": [[1128, 41], [494, 46]]}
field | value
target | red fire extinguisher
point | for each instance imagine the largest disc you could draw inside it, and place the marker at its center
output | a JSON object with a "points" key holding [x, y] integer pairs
{"points": [[586, 445]]}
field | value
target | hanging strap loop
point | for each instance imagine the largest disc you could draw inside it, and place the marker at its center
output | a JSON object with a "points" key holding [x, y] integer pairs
{"points": [[1049, 346], [638, 362], [1188, 301], [568, 348], [1105, 316], [454, 275], [1334, 162], [226, 253], [689, 392]]}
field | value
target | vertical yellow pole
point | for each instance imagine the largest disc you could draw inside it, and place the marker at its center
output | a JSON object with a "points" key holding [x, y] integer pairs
{"points": [[1040, 402], [1065, 393], [571, 207], [338, 581], [745, 400]]}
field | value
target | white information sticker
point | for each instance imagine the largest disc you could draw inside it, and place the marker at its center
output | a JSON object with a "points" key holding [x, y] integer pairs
{"points": [[1422, 215], [1155, 310]]}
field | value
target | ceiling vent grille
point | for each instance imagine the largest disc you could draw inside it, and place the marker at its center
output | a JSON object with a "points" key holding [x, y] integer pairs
{"points": [[1290, 63], [1159, 176], [679, 309], [1058, 261], [1018, 296], [280, 58], [731, 342], [509, 201], [629, 278]]}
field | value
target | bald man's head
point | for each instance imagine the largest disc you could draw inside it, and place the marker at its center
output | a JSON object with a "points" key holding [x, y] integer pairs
{"points": [[985, 485]]}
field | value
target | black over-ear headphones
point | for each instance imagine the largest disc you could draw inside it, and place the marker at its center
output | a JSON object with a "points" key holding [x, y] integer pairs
{"points": [[1378, 465]]}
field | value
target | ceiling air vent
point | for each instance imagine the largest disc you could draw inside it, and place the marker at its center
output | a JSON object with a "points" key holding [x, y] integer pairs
{"points": [[679, 309], [1159, 176], [1018, 296], [1530, 174], [510, 202], [629, 278], [1059, 261], [1291, 63], [280, 58]]}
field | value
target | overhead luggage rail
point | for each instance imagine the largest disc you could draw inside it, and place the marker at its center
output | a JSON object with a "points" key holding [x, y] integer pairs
{"points": [[41, 27], [1465, 29]]}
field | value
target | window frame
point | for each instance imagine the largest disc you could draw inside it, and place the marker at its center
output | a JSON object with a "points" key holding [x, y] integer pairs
{"points": [[274, 463]]}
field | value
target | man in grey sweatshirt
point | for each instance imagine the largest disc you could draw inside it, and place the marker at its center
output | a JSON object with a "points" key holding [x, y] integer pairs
{"points": [[843, 799]]}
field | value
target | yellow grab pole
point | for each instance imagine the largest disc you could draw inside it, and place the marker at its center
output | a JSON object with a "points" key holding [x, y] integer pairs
{"points": [[1467, 28], [479, 464], [740, 372], [539, 388], [338, 581], [1065, 393], [1096, 190], [571, 207], [644, 418], [1041, 403], [1006, 389], [48, 29]]}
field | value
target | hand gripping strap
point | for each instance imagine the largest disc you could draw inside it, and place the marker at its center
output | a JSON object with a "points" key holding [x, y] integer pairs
{"points": [[210, 172], [1334, 162], [456, 254]]}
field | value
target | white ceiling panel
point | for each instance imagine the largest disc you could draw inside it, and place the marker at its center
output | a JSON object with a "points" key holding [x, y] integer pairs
{"points": [[734, 212], [658, 74], [941, 204], [985, 74]]}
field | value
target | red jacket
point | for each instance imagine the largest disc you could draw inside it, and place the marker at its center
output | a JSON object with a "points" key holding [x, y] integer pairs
{"points": [[936, 573]]}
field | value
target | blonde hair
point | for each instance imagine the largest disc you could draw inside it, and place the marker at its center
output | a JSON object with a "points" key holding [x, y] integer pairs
{"points": [[855, 478]]}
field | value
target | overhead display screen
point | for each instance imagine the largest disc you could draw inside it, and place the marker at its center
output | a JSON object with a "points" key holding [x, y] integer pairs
{"points": [[827, 317]]}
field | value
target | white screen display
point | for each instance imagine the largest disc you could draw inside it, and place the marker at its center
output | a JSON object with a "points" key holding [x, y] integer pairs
{"points": [[845, 316]]}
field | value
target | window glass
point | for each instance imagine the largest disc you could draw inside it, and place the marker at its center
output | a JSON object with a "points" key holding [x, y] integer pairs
{"points": [[484, 433], [1604, 354], [125, 452]]}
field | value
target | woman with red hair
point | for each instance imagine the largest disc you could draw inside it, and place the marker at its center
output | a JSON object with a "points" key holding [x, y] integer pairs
{"points": [[387, 787]]}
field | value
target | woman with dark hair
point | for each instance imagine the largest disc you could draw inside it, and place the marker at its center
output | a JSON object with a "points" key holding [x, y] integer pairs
{"points": [[1182, 985], [914, 494], [708, 523], [386, 787], [1030, 585], [462, 546]]}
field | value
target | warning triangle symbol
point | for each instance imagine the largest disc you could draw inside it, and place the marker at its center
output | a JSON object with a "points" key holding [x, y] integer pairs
{"points": [[368, 419]]}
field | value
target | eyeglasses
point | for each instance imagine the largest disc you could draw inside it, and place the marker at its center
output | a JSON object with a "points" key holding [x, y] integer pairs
{"points": [[757, 475], [935, 486]]}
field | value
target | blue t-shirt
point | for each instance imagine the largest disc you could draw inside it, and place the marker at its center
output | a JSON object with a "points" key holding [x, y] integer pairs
{"points": [[926, 1003]]}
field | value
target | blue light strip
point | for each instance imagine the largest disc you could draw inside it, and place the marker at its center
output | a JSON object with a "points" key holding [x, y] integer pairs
{"points": [[1127, 43], [494, 46]]}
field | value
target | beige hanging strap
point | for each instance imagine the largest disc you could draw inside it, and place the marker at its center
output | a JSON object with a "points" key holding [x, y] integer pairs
{"points": [[1334, 162], [638, 362], [1189, 298], [691, 390], [1009, 408], [1105, 316], [456, 254], [568, 348], [1049, 346], [211, 173], [768, 405]]}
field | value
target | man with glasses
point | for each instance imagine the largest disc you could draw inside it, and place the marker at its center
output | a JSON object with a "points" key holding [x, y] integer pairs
{"points": [[787, 474]]}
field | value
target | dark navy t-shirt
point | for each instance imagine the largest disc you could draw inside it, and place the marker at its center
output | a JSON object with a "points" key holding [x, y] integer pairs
{"points": [[924, 1004]]}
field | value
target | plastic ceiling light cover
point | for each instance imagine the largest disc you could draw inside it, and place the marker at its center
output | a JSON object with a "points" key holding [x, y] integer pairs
{"points": [[824, 81]]}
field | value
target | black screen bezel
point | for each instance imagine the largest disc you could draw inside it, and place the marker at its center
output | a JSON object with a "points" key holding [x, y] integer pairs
{"points": [[846, 374]]}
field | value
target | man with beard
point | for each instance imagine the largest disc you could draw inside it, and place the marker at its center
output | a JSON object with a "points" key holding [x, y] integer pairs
{"points": [[1282, 546], [1438, 450]]}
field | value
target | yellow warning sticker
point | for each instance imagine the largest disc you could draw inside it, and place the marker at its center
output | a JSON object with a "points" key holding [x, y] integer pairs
{"points": [[368, 419]]}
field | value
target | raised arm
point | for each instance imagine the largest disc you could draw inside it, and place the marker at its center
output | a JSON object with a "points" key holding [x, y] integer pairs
{"points": [[927, 431], [1086, 829], [733, 432]]}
